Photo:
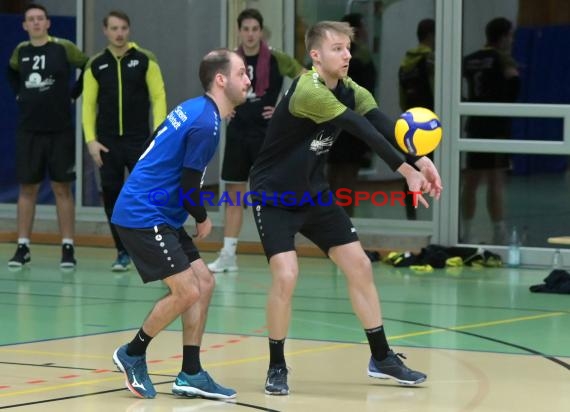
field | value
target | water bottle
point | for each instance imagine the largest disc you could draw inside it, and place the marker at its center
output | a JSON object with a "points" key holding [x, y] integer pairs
{"points": [[557, 260], [514, 255]]}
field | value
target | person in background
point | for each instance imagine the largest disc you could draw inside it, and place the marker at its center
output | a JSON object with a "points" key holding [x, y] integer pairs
{"points": [[39, 71], [266, 68], [120, 85], [492, 76]]}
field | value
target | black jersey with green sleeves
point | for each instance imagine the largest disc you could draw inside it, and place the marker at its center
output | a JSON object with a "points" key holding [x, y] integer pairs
{"points": [[44, 83], [299, 136], [249, 114], [484, 71]]}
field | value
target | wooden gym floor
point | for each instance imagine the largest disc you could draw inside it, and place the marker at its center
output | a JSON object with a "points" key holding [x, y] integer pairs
{"points": [[485, 341]]}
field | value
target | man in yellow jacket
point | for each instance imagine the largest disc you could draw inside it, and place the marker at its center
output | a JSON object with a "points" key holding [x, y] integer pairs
{"points": [[120, 85]]}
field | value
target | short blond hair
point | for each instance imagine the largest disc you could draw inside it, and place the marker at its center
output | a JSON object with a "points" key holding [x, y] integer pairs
{"points": [[318, 32]]}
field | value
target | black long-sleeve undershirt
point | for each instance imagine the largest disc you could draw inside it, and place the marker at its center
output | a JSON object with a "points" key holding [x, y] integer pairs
{"points": [[190, 183]]}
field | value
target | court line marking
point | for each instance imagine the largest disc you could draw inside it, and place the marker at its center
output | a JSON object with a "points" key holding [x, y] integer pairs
{"points": [[301, 352], [474, 325]]}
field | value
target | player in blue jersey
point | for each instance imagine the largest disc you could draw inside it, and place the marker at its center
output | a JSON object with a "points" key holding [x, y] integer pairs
{"points": [[154, 203]]}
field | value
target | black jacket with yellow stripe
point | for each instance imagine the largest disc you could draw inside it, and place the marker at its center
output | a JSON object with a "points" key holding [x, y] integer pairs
{"points": [[118, 91]]}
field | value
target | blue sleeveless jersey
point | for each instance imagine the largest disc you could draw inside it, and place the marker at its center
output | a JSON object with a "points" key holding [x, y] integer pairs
{"points": [[188, 138]]}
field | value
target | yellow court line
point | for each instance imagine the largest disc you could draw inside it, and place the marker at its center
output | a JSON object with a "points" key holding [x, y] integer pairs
{"points": [[476, 325]]}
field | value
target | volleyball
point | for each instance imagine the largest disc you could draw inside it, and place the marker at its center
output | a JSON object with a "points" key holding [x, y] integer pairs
{"points": [[418, 131]]}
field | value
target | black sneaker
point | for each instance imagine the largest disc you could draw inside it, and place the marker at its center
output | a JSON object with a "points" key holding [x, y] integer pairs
{"points": [[67, 256], [21, 257], [393, 368], [276, 383]]}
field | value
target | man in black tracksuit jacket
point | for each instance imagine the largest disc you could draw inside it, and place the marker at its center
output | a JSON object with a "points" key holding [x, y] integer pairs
{"points": [[120, 85]]}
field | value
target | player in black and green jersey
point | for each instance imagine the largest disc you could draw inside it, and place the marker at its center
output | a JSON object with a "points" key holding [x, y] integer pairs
{"points": [[40, 71], [120, 85], [304, 126]]}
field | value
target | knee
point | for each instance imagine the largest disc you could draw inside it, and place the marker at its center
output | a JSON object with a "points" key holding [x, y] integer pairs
{"points": [[62, 191], [285, 282], [29, 191], [207, 284], [186, 297], [192, 295], [362, 268]]}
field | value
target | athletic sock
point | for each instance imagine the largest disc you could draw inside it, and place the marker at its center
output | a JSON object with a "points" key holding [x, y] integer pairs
{"points": [[276, 352], [137, 347], [191, 359], [230, 245], [378, 344], [67, 241], [24, 241]]}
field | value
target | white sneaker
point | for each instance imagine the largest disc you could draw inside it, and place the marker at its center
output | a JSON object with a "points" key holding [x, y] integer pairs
{"points": [[224, 263]]}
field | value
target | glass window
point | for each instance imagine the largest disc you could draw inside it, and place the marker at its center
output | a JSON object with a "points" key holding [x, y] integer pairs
{"points": [[500, 191], [516, 128], [511, 51]]}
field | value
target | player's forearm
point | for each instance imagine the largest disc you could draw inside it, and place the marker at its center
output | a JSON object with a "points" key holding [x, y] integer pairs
{"points": [[190, 196], [361, 128]]}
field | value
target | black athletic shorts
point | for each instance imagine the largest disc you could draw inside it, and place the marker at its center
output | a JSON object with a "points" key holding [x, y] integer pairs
{"points": [[241, 150], [160, 251], [325, 226], [37, 152]]}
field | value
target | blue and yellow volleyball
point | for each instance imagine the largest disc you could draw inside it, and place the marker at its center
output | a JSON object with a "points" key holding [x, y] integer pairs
{"points": [[418, 131]]}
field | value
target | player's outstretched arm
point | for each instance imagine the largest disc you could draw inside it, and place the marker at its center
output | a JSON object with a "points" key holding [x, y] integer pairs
{"points": [[190, 183], [361, 128]]}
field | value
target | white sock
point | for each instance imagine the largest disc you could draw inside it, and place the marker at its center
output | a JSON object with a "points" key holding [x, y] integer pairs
{"points": [[67, 240], [230, 245], [24, 241]]}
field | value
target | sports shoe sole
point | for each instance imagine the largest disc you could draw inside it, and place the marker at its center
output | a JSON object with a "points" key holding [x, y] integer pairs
{"points": [[67, 265], [281, 393], [379, 375], [192, 392], [119, 268], [13, 264], [120, 366]]}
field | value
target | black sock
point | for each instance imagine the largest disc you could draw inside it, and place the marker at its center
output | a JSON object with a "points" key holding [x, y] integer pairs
{"points": [[137, 347], [276, 352], [191, 359], [378, 343]]}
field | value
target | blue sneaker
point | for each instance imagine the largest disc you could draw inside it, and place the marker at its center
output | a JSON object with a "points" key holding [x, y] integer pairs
{"points": [[201, 385], [134, 368], [122, 263], [393, 368]]}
